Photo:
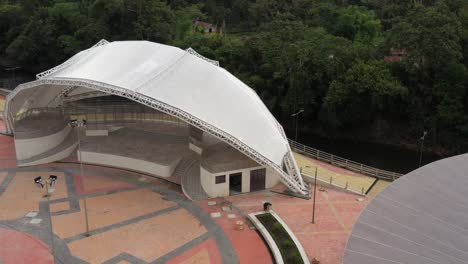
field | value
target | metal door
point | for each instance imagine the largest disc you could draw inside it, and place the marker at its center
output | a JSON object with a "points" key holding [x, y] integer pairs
{"points": [[257, 179]]}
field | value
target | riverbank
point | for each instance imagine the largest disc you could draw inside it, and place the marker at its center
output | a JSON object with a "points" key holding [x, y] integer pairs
{"points": [[392, 157]]}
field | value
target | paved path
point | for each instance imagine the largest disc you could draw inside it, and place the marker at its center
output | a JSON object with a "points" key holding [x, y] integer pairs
{"points": [[32, 250], [139, 219], [132, 218], [335, 214], [338, 176]]}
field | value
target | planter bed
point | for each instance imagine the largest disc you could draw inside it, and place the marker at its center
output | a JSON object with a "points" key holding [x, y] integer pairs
{"points": [[283, 244]]}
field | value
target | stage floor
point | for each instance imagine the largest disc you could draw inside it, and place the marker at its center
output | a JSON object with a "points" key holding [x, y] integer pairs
{"points": [[134, 143]]}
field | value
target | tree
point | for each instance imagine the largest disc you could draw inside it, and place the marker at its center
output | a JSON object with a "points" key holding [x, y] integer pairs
{"points": [[155, 22], [366, 91], [358, 24], [431, 37]]}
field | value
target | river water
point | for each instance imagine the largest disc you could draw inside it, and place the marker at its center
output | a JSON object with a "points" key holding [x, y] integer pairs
{"points": [[381, 156]]}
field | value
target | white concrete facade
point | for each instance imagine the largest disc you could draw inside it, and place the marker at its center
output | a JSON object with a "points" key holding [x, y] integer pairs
{"points": [[64, 153], [128, 163], [208, 180], [30, 147]]}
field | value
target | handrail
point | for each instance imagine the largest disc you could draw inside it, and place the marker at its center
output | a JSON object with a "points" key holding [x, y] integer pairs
{"points": [[296, 146], [344, 163]]}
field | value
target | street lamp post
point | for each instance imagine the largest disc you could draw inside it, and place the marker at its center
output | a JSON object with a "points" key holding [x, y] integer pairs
{"points": [[297, 120], [12, 69], [77, 124], [421, 147], [315, 191]]}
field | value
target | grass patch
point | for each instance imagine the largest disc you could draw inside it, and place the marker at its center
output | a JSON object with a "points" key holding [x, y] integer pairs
{"points": [[286, 245]]}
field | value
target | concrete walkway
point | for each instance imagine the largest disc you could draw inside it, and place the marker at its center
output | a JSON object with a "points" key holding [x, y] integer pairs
{"points": [[132, 219], [356, 182], [139, 219], [335, 214]]}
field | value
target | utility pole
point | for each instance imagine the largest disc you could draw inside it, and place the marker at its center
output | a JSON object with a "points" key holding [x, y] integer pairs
{"points": [[315, 191], [421, 147], [297, 120], [78, 124]]}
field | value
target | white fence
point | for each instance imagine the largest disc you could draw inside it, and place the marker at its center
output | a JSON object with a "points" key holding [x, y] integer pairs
{"points": [[343, 163]]}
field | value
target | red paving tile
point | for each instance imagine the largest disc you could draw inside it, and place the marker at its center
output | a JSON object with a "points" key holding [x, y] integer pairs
{"points": [[208, 245], [7, 148], [335, 214], [327, 247], [2, 126], [21, 248], [7, 164]]}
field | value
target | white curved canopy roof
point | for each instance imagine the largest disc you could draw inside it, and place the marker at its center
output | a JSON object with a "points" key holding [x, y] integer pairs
{"points": [[182, 80]]}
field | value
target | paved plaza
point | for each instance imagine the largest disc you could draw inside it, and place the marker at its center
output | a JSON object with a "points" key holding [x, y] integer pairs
{"points": [[135, 218]]}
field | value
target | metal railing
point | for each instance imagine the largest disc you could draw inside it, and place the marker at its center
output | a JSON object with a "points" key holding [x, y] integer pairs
{"points": [[11, 83], [117, 114], [343, 163], [125, 113]]}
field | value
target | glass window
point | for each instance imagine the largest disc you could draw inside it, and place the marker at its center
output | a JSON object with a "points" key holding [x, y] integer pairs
{"points": [[220, 179]]}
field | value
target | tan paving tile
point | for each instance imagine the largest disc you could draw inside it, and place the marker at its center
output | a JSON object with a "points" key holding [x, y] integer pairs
{"points": [[123, 262], [96, 183], [22, 195], [380, 186], [109, 209], [355, 182], [148, 239], [57, 207], [202, 257]]}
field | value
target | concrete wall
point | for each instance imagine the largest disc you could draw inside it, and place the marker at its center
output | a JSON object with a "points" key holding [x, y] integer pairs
{"points": [[30, 147], [54, 157], [208, 181], [128, 163], [97, 132], [195, 148]]}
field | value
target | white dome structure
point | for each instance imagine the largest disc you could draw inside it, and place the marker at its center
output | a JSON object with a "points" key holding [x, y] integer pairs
{"points": [[178, 82]]}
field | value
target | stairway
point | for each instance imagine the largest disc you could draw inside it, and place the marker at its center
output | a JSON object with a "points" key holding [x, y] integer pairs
{"points": [[182, 167], [190, 179]]}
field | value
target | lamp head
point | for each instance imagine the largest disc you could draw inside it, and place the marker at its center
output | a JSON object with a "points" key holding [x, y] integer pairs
{"points": [[52, 180], [38, 182]]}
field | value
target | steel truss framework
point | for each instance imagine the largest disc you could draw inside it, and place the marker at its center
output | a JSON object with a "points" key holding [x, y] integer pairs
{"points": [[84, 96], [291, 178], [69, 61]]}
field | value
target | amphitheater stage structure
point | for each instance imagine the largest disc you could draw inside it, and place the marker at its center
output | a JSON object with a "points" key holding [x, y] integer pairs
{"points": [[154, 109]]}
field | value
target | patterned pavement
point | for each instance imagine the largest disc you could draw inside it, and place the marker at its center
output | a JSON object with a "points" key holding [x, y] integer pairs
{"points": [[132, 218], [335, 214], [139, 219]]}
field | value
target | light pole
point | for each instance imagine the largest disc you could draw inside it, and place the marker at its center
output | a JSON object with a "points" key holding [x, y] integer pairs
{"points": [[421, 147], [13, 82], [78, 124], [315, 191], [297, 120], [50, 182]]}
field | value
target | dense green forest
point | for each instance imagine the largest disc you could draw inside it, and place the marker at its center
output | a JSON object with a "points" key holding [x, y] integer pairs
{"points": [[324, 56]]}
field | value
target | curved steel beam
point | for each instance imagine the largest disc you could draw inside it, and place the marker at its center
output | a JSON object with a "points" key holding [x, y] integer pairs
{"points": [[293, 180]]}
